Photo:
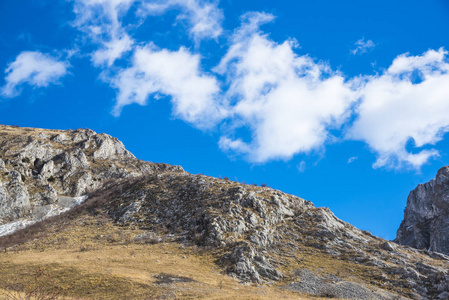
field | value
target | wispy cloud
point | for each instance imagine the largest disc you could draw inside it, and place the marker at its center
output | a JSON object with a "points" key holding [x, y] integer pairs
{"points": [[33, 68], [409, 102], [352, 159], [203, 17], [100, 21], [301, 167], [363, 46]]}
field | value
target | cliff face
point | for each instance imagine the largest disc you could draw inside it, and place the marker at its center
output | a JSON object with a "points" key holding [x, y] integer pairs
{"points": [[255, 234], [44, 172], [426, 217]]}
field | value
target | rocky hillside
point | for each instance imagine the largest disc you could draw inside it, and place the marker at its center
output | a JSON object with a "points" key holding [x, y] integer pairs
{"points": [[255, 234], [44, 172], [426, 216]]}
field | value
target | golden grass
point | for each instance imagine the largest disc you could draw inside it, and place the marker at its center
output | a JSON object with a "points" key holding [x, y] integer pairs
{"points": [[92, 259]]}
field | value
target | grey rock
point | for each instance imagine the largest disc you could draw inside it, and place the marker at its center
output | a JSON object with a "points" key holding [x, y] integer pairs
{"points": [[443, 296], [425, 224], [37, 165], [328, 287], [59, 138], [387, 246]]}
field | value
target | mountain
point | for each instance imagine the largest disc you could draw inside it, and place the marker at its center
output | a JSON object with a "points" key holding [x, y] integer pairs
{"points": [[426, 216], [78, 208]]}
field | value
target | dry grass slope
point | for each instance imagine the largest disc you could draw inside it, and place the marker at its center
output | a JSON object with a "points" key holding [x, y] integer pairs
{"points": [[92, 258]]}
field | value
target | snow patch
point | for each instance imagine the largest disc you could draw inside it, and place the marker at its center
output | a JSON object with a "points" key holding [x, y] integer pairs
{"points": [[14, 226], [54, 210]]}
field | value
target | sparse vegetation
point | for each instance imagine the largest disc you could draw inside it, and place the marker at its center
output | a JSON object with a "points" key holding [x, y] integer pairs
{"points": [[153, 231]]}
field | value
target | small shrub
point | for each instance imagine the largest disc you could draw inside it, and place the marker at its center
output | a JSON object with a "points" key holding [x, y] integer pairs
{"points": [[296, 273], [198, 238], [84, 249]]}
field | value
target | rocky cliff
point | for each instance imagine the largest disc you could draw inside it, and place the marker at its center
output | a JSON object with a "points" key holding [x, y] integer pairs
{"points": [[255, 234], [426, 216], [44, 172]]}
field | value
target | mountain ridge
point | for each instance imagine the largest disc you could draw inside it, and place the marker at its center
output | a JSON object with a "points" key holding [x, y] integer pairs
{"points": [[255, 234]]}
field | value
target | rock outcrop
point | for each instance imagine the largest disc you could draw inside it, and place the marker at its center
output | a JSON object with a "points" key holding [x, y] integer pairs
{"points": [[256, 232], [426, 216], [44, 171]]}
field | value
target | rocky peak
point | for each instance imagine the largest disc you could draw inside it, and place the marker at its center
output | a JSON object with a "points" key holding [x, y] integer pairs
{"points": [[425, 224], [38, 167]]}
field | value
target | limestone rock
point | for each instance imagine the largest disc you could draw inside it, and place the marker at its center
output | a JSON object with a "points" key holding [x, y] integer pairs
{"points": [[425, 224], [37, 166]]}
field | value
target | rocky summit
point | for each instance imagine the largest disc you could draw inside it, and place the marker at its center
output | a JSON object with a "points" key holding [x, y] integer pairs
{"points": [[65, 192], [426, 216]]}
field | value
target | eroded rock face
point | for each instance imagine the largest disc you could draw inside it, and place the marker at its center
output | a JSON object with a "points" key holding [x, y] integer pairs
{"points": [[257, 231], [38, 167], [426, 217]]}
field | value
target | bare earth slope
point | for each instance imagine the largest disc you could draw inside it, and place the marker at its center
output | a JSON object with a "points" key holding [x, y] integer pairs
{"points": [[140, 218]]}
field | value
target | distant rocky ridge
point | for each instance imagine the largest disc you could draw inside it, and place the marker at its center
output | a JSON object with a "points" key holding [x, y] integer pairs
{"points": [[257, 234], [426, 216]]}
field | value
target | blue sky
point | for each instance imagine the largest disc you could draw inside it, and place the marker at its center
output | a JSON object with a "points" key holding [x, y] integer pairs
{"points": [[342, 103]]}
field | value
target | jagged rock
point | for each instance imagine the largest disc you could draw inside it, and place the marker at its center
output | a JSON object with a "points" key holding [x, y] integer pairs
{"points": [[387, 246], [36, 169], [109, 147], [425, 224], [443, 296]]}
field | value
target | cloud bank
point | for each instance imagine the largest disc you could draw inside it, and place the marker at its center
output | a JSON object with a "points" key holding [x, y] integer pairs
{"points": [[265, 101]]}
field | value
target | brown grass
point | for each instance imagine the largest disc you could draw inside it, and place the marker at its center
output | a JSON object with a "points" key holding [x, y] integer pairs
{"points": [[92, 258]]}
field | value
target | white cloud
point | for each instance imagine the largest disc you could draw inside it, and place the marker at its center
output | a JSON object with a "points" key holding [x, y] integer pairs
{"points": [[100, 21], [409, 102], [204, 17], [363, 46], [288, 102], [301, 167], [112, 50], [173, 73], [34, 68], [352, 159]]}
